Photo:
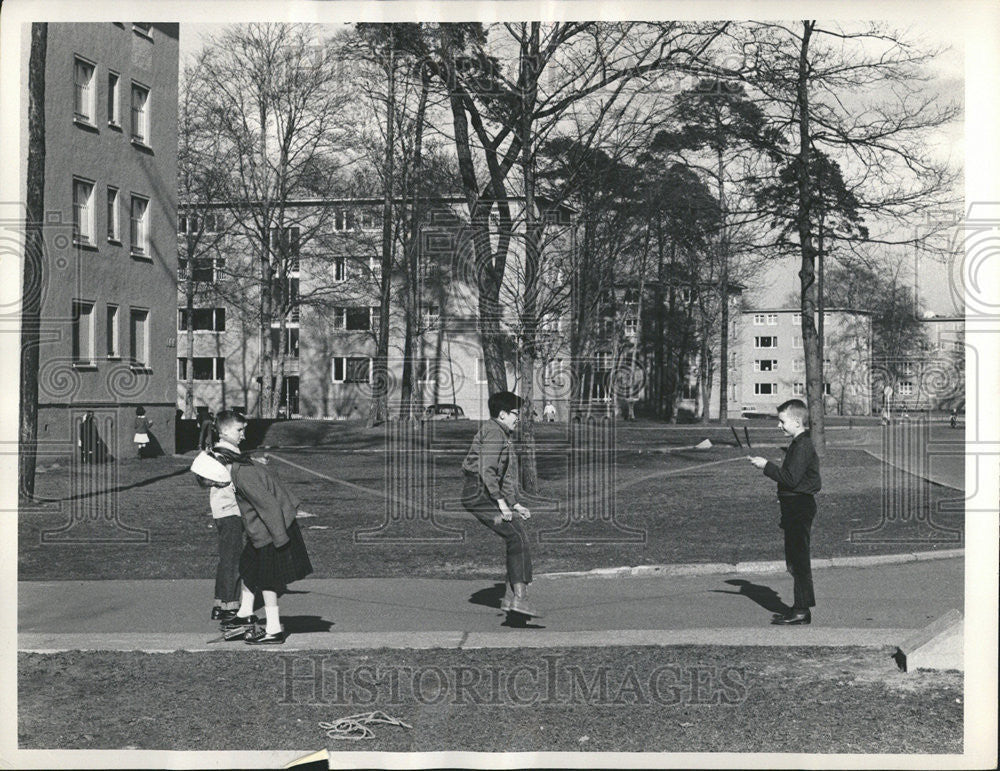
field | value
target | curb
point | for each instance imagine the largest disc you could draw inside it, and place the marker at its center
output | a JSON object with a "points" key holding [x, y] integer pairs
{"points": [[938, 482], [775, 566], [765, 636]]}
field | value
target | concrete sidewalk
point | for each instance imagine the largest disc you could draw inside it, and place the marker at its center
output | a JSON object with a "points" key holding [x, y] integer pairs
{"points": [[870, 606]]}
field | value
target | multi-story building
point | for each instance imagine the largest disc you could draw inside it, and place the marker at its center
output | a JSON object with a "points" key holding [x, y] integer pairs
{"points": [[772, 360], [932, 377], [330, 333], [109, 274]]}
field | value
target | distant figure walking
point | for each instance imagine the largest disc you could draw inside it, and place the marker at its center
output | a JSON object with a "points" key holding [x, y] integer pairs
{"points": [[209, 433], [549, 413], [88, 440], [954, 419], [142, 424]]}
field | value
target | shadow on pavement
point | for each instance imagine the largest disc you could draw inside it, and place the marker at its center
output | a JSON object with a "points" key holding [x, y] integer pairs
{"points": [[490, 598], [303, 624], [764, 596]]}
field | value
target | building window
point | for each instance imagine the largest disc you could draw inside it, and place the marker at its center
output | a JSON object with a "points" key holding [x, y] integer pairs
{"points": [[797, 341], [339, 269], [114, 215], [140, 114], [356, 319], [291, 341], [114, 117], [83, 211], [798, 366], [205, 368], [205, 320], [798, 389], [758, 319], [906, 388], [375, 267], [206, 269], [83, 333], [826, 389], [284, 245], [138, 337], [430, 315], [765, 389], [481, 371], [797, 319], [370, 218], [351, 369], [772, 319], [83, 83], [765, 342], [111, 332], [765, 365], [343, 220], [422, 372], [735, 389], [139, 231], [906, 368]]}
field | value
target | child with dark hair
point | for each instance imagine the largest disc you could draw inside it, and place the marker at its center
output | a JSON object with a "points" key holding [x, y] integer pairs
{"points": [[798, 482], [491, 494]]}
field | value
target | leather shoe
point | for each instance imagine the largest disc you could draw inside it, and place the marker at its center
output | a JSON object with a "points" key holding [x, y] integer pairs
{"points": [[219, 614], [239, 621], [793, 618], [260, 637], [506, 601], [520, 605]]}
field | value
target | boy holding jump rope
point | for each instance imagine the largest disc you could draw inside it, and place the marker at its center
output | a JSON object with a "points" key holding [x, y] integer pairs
{"points": [[490, 494], [798, 482]]}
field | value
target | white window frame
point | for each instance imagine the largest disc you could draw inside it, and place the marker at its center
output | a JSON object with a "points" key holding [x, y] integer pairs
{"points": [[83, 333], [758, 319], [796, 341], [135, 361], [139, 228], [797, 319], [83, 213], [757, 365], [217, 314], [757, 389], [798, 365], [114, 215], [798, 389], [142, 121], [428, 318], [759, 346], [906, 388], [772, 319], [339, 269], [375, 267], [423, 369], [112, 335], [481, 370], [343, 360], [84, 94], [218, 372], [114, 99]]}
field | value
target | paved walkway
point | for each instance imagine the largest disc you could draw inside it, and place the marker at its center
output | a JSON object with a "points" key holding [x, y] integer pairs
{"points": [[869, 606]]}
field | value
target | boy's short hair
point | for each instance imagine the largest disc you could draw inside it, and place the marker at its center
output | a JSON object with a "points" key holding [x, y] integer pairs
{"points": [[503, 401], [796, 408], [227, 418]]}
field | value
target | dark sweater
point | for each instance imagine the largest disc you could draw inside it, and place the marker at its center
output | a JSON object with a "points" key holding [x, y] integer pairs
{"points": [[799, 474]]}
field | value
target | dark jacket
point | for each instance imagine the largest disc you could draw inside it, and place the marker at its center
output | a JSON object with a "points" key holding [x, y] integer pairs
{"points": [[268, 509], [799, 473], [493, 458]]}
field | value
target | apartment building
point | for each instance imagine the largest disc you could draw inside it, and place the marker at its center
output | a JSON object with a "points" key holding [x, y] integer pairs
{"points": [[109, 283], [771, 359], [329, 334]]}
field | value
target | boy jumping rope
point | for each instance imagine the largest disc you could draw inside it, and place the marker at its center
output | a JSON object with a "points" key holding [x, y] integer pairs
{"points": [[490, 494], [798, 481]]}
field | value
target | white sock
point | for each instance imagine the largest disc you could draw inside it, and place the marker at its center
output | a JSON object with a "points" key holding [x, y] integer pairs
{"points": [[246, 603], [273, 625]]}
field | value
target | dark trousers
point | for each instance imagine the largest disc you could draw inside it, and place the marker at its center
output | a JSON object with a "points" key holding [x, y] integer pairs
{"points": [[227, 574], [797, 514], [478, 502]]}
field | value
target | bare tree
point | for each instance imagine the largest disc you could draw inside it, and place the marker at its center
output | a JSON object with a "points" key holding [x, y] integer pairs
{"points": [[856, 94], [273, 93]]}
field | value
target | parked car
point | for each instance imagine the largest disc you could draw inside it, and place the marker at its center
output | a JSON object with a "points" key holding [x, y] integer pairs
{"points": [[443, 412]]}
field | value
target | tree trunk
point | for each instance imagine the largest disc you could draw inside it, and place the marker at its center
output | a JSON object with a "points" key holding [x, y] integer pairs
{"points": [[807, 272], [189, 410], [32, 279], [724, 299], [533, 229], [379, 410]]}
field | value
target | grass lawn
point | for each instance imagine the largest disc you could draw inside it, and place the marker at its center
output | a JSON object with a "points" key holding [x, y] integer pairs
{"points": [[643, 699], [674, 506]]}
